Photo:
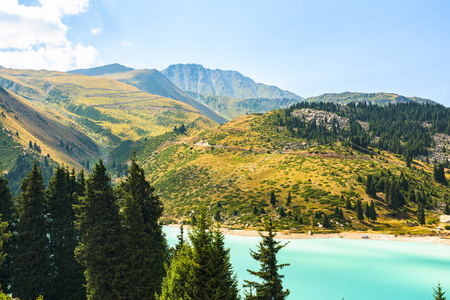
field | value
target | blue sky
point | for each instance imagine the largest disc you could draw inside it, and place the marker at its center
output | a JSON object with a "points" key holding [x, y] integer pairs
{"points": [[307, 47]]}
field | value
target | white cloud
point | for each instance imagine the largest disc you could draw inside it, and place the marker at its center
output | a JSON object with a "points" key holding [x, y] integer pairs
{"points": [[96, 30], [35, 37], [127, 44]]}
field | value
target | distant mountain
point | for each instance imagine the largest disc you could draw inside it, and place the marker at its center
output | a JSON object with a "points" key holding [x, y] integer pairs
{"points": [[374, 98], [108, 69], [233, 107], [152, 82], [196, 79]]}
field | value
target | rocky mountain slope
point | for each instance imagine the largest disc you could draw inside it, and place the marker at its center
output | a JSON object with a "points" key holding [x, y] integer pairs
{"points": [[196, 79]]}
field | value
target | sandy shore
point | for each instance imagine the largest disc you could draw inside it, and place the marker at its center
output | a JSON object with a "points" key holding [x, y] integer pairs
{"points": [[344, 235]]}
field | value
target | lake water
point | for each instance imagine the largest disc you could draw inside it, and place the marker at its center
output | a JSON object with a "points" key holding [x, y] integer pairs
{"points": [[326, 269]]}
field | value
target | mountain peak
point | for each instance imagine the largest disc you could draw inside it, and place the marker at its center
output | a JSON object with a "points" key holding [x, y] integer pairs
{"points": [[195, 78], [102, 70]]}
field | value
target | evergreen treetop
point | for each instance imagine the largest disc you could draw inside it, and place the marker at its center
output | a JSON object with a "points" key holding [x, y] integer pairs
{"points": [[269, 285]]}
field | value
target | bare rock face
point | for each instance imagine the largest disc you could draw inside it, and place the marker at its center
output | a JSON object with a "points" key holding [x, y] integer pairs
{"points": [[441, 151], [321, 117], [445, 219]]}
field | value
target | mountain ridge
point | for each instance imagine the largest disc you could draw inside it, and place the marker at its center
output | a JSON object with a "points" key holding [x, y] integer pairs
{"points": [[195, 78]]}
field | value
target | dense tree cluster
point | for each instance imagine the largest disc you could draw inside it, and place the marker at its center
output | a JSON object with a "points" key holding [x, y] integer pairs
{"points": [[403, 128]]}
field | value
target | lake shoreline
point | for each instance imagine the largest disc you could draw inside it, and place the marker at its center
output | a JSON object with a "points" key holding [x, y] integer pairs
{"points": [[429, 239]]}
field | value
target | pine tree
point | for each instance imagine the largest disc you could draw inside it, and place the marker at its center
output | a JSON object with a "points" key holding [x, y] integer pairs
{"points": [[282, 213], [273, 199], [420, 214], [101, 244], [373, 212], [212, 273], [359, 211], [341, 214], [145, 249], [262, 211], [203, 270], [68, 278], [326, 222], [367, 211], [289, 199], [177, 284], [32, 266], [370, 186], [348, 204], [217, 217], [269, 285], [439, 293], [7, 215], [255, 210], [181, 242]]}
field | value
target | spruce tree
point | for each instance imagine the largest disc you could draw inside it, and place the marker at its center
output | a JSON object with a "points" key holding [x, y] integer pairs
{"points": [[203, 270], [8, 216], [269, 285], [32, 269], [359, 211], [68, 278], [145, 249], [348, 204], [212, 273], [326, 221], [177, 284], [273, 199], [367, 211], [373, 212], [439, 293], [420, 214], [101, 240], [289, 199]]}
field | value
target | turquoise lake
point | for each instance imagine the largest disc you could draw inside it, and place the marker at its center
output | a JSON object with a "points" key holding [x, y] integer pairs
{"points": [[325, 269]]}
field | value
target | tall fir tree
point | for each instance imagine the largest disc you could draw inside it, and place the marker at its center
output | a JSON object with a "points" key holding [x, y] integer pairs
{"points": [[99, 250], [8, 216], [273, 198], [439, 293], [359, 211], [68, 278], [32, 270], [269, 285], [203, 270], [326, 221], [289, 199], [420, 214], [373, 212], [145, 249]]}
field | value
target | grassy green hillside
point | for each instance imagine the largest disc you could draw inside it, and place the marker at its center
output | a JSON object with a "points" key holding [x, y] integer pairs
{"points": [[153, 82], [234, 168], [76, 118]]}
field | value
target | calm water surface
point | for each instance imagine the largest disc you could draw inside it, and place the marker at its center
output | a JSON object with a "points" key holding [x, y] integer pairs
{"points": [[326, 269]]}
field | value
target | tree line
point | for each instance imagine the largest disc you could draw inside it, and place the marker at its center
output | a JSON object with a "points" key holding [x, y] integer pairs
{"points": [[402, 128]]}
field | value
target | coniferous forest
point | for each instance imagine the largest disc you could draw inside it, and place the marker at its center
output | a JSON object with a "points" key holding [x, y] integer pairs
{"points": [[82, 238]]}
